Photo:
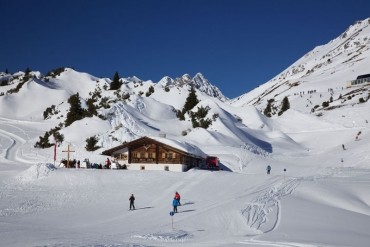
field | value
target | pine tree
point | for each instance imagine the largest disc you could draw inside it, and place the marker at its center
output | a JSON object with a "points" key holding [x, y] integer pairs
{"points": [[76, 112], [267, 111], [116, 83], [91, 108], [26, 76], [191, 100], [285, 105], [59, 138], [91, 143]]}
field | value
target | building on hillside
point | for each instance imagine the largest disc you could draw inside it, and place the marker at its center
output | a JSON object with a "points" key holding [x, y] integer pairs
{"points": [[156, 154], [360, 81]]}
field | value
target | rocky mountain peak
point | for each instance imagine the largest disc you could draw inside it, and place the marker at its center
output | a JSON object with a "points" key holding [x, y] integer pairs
{"points": [[198, 81]]}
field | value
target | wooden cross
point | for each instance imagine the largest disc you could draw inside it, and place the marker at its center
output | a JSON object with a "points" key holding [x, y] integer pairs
{"points": [[68, 151]]}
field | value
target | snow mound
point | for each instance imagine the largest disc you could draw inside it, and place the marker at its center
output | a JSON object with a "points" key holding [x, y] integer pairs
{"points": [[175, 236], [36, 172]]}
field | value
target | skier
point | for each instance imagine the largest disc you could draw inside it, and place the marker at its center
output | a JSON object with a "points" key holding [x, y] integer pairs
{"points": [[132, 199], [107, 164], [177, 197], [175, 203], [268, 168]]}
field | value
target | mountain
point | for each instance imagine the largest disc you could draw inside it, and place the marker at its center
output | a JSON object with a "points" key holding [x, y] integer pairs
{"points": [[319, 75], [198, 81], [316, 195], [315, 87]]}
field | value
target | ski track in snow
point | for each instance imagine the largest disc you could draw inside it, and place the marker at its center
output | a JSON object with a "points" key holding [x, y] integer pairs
{"points": [[18, 139], [15, 140], [268, 201], [278, 244], [256, 213]]}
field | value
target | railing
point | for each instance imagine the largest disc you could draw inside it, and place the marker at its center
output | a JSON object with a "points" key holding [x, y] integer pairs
{"points": [[142, 160], [153, 161]]}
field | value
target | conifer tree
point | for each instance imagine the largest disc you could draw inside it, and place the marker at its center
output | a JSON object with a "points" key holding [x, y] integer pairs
{"points": [[26, 76], [115, 84], [91, 143], [91, 108], [267, 111], [76, 112], [191, 100], [285, 105]]}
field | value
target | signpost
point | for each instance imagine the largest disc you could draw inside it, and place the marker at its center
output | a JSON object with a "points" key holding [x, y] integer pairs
{"points": [[172, 214], [55, 152], [284, 174]]}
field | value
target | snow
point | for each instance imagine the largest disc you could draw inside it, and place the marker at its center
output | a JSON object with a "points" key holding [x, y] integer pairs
{"points": [[317, 194], [318, 201]]}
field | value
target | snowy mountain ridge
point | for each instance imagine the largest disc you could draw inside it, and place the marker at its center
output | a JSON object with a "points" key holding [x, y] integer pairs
{"points": [[316, 195], [198, 81], [141, 108], [329, 66]]}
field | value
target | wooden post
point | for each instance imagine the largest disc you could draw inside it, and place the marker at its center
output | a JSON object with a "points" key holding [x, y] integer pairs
{"points": [[68, 151]]}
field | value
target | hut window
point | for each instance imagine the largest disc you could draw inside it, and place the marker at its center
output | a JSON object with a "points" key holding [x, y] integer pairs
{"points": [[163, 155], [151, 155]]}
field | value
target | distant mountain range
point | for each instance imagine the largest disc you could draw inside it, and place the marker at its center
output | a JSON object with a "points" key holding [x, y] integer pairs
{"points": [[314, 85]]}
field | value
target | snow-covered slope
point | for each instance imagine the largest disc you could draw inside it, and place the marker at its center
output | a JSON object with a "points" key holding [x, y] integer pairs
{"points": [[316, 195], [322, 73]]}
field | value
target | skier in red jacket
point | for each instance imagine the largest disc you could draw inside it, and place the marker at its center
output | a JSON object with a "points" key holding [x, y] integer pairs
{"points": [[177, 198]]}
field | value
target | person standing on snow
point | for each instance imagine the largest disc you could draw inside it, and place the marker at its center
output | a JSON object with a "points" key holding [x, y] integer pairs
{"points": [[175, 203], [177, 197], [132, 199], [268, 168], [107, 164]]}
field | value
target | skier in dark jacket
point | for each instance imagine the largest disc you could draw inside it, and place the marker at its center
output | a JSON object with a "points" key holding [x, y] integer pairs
{"points": [[175, 203], [268, 168], [132, 199]]}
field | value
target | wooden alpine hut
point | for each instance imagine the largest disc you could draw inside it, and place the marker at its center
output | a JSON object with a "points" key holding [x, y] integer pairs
{"points": [[157, 153]]}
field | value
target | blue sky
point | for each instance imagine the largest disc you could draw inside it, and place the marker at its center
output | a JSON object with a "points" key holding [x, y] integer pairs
{"points": [[236, 44]]}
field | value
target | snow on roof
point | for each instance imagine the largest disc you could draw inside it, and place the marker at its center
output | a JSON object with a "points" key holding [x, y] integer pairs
{"points": [[181, 145]]}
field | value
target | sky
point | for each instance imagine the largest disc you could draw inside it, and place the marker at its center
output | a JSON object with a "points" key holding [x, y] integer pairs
{"points": [[237, 45]]}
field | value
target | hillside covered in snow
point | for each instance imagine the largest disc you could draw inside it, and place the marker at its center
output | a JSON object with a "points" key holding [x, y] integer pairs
{"points": [[318, 148]]}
